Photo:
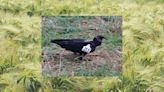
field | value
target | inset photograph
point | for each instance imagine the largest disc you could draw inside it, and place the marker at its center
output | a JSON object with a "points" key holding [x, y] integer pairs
{"points": [[81, 46]]}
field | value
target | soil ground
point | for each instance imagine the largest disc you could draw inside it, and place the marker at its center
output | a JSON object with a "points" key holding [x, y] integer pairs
{"points": [[60, 62]]}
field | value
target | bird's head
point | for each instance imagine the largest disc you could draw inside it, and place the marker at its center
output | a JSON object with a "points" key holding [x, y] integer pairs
{"points": [[98, 39]]}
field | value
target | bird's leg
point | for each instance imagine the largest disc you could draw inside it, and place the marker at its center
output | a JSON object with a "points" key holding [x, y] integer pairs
{"points": [[85, 58], [82, 56], [75, 53], [79, 57]]}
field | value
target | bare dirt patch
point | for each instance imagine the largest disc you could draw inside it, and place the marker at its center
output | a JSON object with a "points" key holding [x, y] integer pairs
{"points": [[65, 62]]}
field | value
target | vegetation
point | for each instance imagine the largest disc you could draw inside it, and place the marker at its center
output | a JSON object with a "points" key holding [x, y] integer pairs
{"points": [[143, 47], [59, 62]]}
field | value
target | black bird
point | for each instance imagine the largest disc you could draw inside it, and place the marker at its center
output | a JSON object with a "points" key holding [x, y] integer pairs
{"points": [[79, 45]]}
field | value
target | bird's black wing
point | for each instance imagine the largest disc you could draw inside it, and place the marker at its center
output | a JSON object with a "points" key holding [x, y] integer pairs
{"points": [[74, 45], [67, 40]]}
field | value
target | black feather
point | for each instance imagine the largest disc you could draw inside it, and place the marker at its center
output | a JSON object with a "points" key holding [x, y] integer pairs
{"points": [[76, 45]]}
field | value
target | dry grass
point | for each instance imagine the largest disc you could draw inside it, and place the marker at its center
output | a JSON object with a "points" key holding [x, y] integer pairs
{"points": [[20, 45], [91, 26]]}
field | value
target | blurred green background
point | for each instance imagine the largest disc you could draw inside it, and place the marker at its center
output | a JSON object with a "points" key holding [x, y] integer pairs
{"points": [[143, 47]]}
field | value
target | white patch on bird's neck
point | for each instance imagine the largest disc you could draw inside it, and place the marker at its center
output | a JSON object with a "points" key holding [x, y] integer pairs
{"points": [[86, 48]]}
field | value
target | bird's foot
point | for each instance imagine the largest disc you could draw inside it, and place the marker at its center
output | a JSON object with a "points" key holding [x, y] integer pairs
{"points": [[78, 58], [87, 59], [82, 58], [75, 53]]}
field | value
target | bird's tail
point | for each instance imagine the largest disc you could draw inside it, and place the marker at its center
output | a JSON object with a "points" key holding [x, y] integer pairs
{"points": [[57, 40]]}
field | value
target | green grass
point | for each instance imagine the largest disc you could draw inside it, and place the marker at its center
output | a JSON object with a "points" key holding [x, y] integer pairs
{"points": [[102, 71], [84, 27], [143, 52]]}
